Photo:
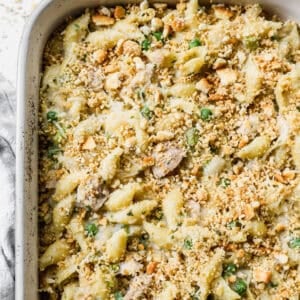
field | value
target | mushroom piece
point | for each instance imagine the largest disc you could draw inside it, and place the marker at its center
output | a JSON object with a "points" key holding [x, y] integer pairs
{"points": [[167, 158], [92, 193], [138, 287]]}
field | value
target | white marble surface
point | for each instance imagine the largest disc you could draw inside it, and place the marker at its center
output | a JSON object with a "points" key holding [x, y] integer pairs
{"points": [[13, 15]]}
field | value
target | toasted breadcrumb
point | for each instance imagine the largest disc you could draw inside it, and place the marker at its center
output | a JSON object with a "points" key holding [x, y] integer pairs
{"points": [[120, 122]]}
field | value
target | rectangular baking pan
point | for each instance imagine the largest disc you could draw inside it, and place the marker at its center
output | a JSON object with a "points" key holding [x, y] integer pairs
{"points": [[43, 21]]}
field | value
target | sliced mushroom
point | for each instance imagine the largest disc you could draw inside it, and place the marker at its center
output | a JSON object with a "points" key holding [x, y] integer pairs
{"points": [[138, 287], [92, 193], [167, 158]]}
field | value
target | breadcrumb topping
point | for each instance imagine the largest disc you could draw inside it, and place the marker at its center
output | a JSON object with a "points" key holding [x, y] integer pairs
{"points": [[170, 154]]}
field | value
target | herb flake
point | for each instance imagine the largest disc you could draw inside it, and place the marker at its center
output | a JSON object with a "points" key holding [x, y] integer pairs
{"points": [[192, 137], [146, 112], [91, 229], [294, 243], [194, 43], [158, 35], [146, 44], [188, 244]]}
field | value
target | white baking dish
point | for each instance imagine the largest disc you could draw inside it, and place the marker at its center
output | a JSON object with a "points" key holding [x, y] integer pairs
{"points": [[43, 21]]}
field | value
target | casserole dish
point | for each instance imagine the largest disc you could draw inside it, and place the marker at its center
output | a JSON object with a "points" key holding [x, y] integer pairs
{"points": [[49, 15]]}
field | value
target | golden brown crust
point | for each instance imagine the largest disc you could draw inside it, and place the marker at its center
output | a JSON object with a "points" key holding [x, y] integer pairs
{"points": [[187, 122]]}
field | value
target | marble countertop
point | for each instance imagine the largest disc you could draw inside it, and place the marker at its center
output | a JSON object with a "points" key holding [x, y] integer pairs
{"points": [[13, 16]]}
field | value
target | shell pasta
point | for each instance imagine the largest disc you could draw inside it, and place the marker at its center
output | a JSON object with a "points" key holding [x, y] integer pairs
{"points": [[170, 154]]}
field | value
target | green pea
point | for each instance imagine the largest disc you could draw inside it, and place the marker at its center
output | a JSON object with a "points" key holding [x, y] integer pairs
{"points": [[239, 286], [51, 116], [194, 43], [206, 114]]}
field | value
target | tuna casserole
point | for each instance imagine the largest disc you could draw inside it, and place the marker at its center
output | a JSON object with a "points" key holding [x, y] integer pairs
{"points": [[170, 155]]}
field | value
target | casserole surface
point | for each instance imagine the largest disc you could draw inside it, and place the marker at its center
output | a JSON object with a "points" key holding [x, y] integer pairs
{"points": [[33, 177], [165, 134]]}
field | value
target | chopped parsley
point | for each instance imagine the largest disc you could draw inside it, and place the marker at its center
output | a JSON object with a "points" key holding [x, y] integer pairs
{"points": [[224, 182], [275, 37], [146, 44], [118, 295], [115, 268], [60, 129], [126, 228], [192, 137], [213, 149], [233, 224], [91, 229], [53, 118], [83, 58], [108, 135], [187, 244], [294, 243], [130, 213], [272, 284], [57, 138], [146, 112], [158, 214], [77, 26], [194, 43], [88, 209], [158, 35], [141, 94], [197, 293], [53, 150], [251, 42]]}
